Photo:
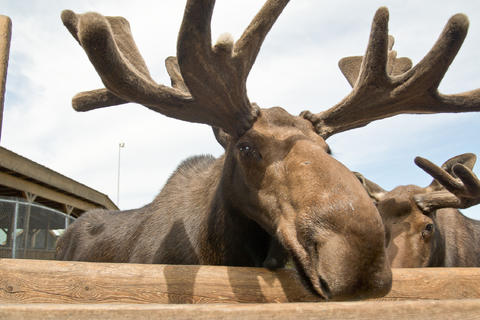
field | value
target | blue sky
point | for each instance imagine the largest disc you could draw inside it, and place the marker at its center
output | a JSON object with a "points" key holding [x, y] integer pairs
{"points": [[296, 69]]}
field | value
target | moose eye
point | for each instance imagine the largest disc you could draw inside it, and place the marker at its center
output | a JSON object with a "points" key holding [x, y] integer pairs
{"points": [[427, 232], [244, 148], [249, 151]]}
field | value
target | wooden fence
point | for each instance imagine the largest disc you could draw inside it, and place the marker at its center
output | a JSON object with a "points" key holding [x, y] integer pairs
{"points": [[37, 289]]}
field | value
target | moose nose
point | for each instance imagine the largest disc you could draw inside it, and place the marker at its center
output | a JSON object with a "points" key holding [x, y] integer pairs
{"points": [[375, 285], [379, 284], [353, 272]]}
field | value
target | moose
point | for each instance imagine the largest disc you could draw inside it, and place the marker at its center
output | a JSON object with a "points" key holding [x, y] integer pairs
{"points": [[276, 185], [424, 227]]}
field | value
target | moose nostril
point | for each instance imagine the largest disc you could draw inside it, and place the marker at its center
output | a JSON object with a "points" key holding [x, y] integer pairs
{"points": [[383, 283], [325, 288]]}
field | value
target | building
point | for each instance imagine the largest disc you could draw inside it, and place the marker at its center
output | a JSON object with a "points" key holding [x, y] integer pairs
{"points": [[37, 204]]}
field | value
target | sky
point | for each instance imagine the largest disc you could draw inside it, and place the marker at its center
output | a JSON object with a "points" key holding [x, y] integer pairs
{"points": [[296, 69]]}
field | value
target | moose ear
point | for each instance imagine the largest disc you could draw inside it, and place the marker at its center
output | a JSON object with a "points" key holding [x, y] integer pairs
{"points": [[374, 190], [222, 137], [466, 159]]}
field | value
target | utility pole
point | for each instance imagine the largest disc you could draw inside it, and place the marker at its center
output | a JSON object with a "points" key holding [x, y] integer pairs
{"points": [[120, 146]]}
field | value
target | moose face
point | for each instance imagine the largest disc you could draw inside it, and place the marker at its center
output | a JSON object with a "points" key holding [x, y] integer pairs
{"points": [[284, 178], [410, 232]]}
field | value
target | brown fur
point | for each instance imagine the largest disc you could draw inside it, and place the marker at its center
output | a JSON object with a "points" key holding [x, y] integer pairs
{"points": [[419, 238], [275, 183], [443, 238]]}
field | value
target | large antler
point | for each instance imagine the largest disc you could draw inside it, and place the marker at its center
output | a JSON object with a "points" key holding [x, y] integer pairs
{"points": [[209, 86], [378, 92], [454, 185]]}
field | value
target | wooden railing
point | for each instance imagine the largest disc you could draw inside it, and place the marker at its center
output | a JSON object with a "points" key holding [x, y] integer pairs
{"points": [[131, 291]]}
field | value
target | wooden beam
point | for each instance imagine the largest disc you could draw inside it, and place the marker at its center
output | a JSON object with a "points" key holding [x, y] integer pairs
{"points": [[69, 209], [37, 281], [44, 192], [29, 196], [362, 310], [25, 167]]}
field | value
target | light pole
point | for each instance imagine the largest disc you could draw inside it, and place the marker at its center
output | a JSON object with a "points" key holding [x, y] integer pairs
{"points": [[120, 146]]}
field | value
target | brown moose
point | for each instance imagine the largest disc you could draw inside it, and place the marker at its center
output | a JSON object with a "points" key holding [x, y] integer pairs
{"points": [[276, 181], [423, 226]]}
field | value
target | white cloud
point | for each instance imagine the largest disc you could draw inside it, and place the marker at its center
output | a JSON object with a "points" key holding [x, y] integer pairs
{"points": [[297, 69]]}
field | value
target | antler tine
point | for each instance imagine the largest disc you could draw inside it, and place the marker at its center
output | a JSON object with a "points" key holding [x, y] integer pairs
{"points": [[247, 47], [371, 78], [374, 64], [377, 95], [111, 49], [350, 66], [171, 63], [101, 98], [95, 99], [431, 69], [469, 179], [455, 176], [216, 77], [439, 174]]}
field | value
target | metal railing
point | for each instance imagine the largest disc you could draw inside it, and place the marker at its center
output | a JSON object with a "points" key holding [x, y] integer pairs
{"points": [[29, 230]]}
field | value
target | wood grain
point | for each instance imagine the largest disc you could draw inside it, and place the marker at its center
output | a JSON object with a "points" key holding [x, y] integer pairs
{"points": [[393, 310], [38, 281], [435, 283]]}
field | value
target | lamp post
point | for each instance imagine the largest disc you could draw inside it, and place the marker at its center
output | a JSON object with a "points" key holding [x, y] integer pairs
{"points": [[120, 146]]}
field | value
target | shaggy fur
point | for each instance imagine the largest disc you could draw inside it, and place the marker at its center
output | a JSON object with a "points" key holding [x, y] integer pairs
{"points": [[172, 229]]}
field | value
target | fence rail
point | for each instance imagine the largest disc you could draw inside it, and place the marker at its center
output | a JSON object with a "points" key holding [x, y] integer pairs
{"points": [[41, 289], [393, 310], [42, 281]]}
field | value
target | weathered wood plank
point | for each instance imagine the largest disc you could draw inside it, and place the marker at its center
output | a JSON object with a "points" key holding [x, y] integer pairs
{"points": [[435, 283], [37, 281], [393, 310]]}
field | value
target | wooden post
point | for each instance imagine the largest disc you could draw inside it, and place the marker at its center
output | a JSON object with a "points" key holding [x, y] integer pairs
{"points": [[68, 210], [26, 224], [14, 229], [5, 37], [39, 281]]}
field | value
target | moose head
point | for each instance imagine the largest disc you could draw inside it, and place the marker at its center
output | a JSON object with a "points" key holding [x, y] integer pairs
{"points": [[418, 232], [276, 173]]}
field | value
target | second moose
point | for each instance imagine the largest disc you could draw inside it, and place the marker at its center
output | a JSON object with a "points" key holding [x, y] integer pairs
{"points": [[423, 226]]}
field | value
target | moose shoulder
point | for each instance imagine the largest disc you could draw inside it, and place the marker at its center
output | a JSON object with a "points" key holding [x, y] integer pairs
{"points": [[276, 182], [423, 226]]}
